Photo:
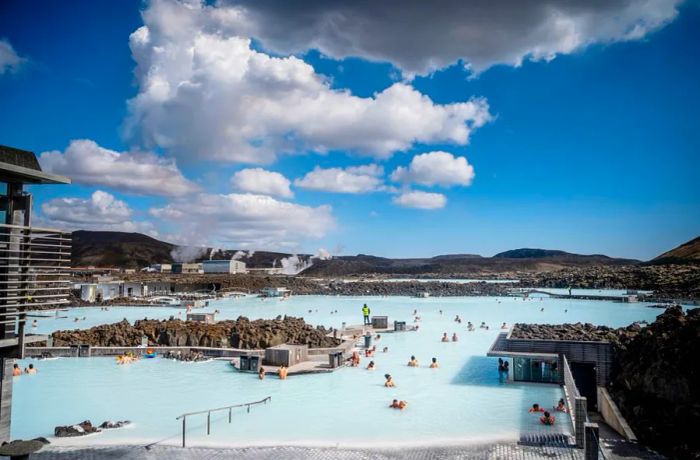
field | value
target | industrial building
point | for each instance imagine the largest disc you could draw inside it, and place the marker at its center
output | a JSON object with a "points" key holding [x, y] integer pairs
{"points": [[224, 266], [191, 268]]}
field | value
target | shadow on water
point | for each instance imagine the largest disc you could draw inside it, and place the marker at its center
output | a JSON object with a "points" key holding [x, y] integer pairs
{"points": [[482, 371]]}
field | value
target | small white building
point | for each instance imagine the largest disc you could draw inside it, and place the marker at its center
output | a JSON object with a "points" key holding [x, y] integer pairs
{"points": [[276, 292], [224, 266], [162, 268]]}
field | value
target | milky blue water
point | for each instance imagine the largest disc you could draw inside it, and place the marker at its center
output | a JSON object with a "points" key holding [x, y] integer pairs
{"points": [[462, 401]]}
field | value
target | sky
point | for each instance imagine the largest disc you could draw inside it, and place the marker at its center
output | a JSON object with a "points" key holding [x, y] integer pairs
{"points": [[399, 129]]}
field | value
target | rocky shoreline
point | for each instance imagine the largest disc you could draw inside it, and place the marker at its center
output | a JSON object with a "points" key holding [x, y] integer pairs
{"points": [[241, 333]]}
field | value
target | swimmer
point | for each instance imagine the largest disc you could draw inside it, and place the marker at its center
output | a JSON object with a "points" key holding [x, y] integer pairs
{"points": [[441, 312], [16, 371], [542, 309], [445, 338], [536, 408], [454, 337], [355, 359], [35, 323], [369, 353], [30, 370], [547, 419], [396, 404], [283, 373], [457, 319], [434, 364], [261, 373], [389, 381], [385, 350], [76, 319], [413, 362], [561, 406], [377, 338], [504, 326], [371, 366]]}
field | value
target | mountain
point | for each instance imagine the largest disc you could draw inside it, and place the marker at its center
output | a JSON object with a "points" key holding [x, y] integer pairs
{"points": [[685, 253], [134, 250], [118, 249]]}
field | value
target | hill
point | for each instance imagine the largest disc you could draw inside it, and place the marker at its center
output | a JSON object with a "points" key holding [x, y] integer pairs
{"points": [[135, 250], [684, 254], [118, 249]]}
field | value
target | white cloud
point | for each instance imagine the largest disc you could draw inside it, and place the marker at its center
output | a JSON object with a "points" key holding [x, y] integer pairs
{"points": [[9, 60], [435, 168], [204, 92], [258, 180], [245, 220], [354, 179], [420, 200], [418, 36], [102, 211], [87, 163]]}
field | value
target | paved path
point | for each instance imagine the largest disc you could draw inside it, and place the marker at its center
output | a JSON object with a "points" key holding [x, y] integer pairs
{"points": [[504, 451]]}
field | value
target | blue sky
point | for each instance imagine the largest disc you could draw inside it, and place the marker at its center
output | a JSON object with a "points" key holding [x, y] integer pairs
{"points": [[590, 147]]}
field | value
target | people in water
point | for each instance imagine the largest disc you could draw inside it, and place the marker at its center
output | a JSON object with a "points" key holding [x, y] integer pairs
{"points": [[371, 366], [261, 373], [561, 406], [35, 324], [470, 326], [413, 362], [454, 337], [457, 319], [389, 383], [16, 371], [504, 326], [370, 352], [547, 419], [30, 370], [445, 338], [377, 338], [396, 404], [434, 364], [355, 359], [385, 350], [282, 372], [536, 408]]}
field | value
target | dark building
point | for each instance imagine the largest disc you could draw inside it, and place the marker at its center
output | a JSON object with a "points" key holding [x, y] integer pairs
{"points": [[34, 265]]}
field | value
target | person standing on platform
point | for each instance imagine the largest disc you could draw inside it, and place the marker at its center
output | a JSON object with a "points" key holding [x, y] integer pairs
{"points": [[365, 314]]}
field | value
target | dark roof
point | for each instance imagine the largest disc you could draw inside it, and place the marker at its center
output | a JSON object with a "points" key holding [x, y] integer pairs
{"points": [[22, 166]]}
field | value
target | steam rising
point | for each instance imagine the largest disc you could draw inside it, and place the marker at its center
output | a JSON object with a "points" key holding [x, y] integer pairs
{"points": [[184, 254]]}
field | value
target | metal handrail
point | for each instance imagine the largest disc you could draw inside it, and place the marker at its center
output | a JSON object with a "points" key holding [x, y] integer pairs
{"points": [[35, 229], [209, 411]]}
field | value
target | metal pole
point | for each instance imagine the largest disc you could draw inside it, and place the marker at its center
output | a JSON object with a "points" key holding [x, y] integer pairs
{"points": [[183, 431], [249, 408], [229, 415], [208, 423]]}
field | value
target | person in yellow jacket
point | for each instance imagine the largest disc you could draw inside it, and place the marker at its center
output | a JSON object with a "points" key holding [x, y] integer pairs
{"points": [[365, 314]]}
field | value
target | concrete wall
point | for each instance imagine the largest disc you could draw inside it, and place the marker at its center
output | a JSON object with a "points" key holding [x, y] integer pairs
{"points": [[578, 405], [612, 415], [5, 398]]}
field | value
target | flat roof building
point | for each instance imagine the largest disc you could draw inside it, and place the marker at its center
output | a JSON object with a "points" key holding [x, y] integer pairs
{"points": [[224, 266]]}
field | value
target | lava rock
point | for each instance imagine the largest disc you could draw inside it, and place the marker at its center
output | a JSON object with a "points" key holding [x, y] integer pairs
{"points": [[69, 431], [108, 425]]}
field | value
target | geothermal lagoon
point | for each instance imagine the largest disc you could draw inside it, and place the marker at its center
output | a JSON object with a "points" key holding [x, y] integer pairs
{"points": [[463, 401]]}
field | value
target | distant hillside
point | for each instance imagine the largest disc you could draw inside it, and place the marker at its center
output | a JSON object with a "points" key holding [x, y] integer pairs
{"points": [[134, 250], [118, 249], [685, 253], [519, 259]]}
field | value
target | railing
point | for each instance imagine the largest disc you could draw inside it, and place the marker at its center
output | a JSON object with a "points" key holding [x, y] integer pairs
{"points": [[219, 409], [34, 272]]}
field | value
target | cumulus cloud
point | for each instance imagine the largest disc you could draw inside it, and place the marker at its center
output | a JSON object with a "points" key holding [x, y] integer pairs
{"points": [[354, 179], [245, 220], [420, 200], [87, 163], [419, 36], [435, 168], [204, 91], [102, 211], [9, 60], [261, 181]]}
